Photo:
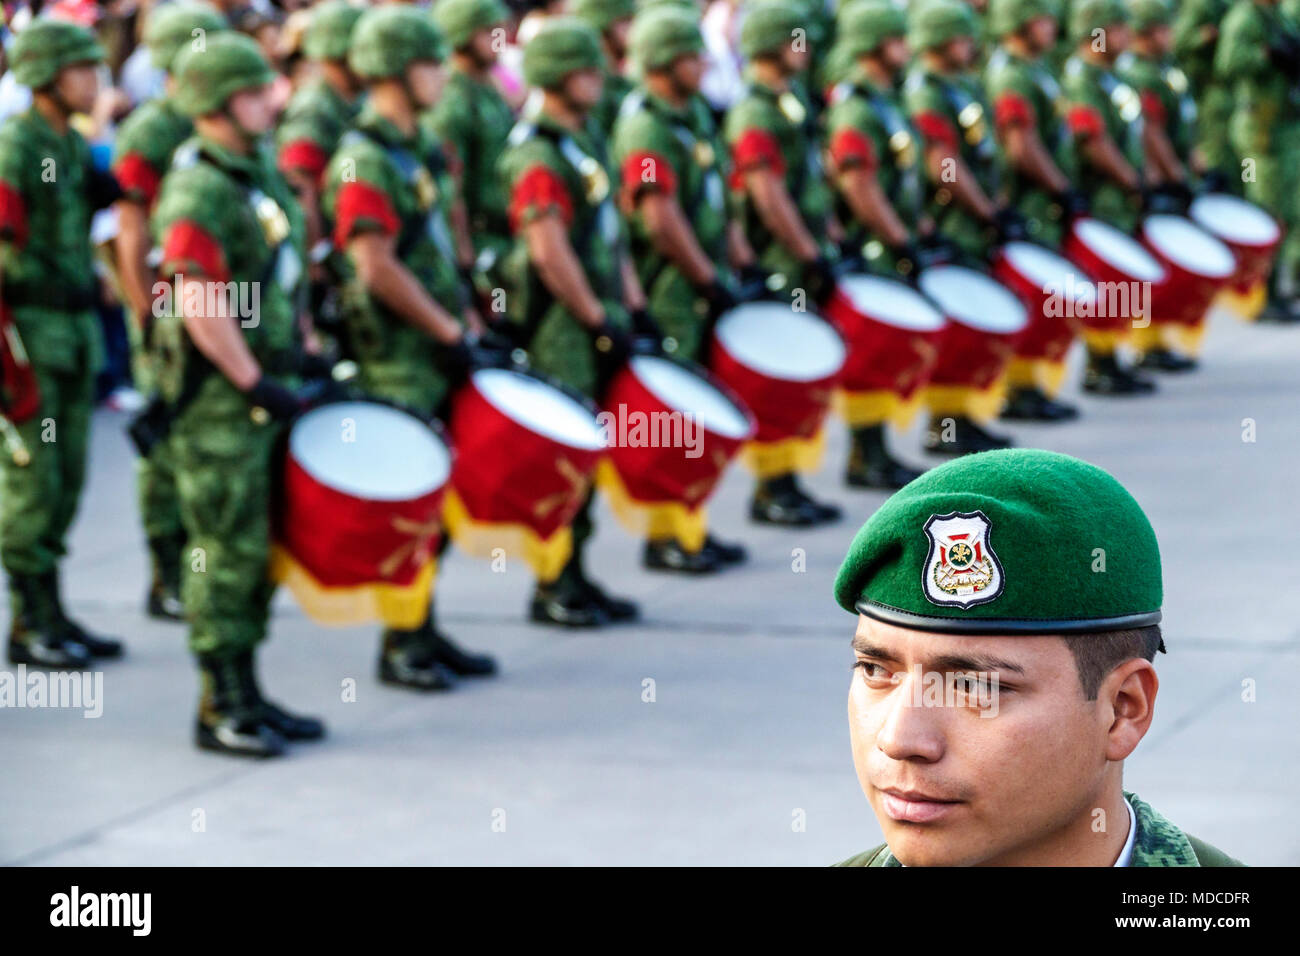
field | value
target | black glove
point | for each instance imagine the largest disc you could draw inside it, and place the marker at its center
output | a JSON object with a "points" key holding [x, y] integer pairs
{"points": [[1010, 225], [1284, 53], [721, 298], [820, 279], [276, 400], [645, 327], [1073, 203], [1214, 181], [934, 250], [102, 189], [613, 348], [311, 366], [907, 258]]}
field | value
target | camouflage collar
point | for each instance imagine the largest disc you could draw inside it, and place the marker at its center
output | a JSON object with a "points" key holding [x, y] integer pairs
{"points": [[1157, 843], [383, 129], [251, 164]]}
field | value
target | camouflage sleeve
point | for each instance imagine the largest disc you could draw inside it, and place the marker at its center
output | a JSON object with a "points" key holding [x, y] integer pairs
{"points": [[1242, 52], [1086, 111], [1190, 19], [853, 137], [1011, 94], [306, 135], [750, 133], [453, 122], [139, 157], [16, 169], [929, 113], [360, 193], [534, 184], [187, 227], [1144, 77], [644, 156]]}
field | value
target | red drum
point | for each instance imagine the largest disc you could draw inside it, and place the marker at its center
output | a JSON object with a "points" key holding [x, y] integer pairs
{"points": [[783, 364], [1199, 267], [1125, 272], [671, 433], [985, 320], [1250, 232], [359, 523], [892, 332], [1055, 293], [526, 454]]}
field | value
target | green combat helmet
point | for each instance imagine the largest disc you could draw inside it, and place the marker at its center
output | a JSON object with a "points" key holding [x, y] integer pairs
{"points": [[388, 39], [459, 20], [172, 27], [939, 22], [768, 27], [1011, 16], [1145, 14], [46, 47], [602, 14], [1089, 15], [562, 46], [662, 34], [329, 32], [864, 25], [207, 77]]}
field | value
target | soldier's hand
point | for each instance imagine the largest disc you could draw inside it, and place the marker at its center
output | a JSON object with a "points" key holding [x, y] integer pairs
{"points": [[720, 296], [820, 279], [645, 327], [1073, 203], [275, 399], [1010, 225]]}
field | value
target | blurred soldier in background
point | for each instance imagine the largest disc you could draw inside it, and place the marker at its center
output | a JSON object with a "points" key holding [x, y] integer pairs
{"points": [[612, 19]]}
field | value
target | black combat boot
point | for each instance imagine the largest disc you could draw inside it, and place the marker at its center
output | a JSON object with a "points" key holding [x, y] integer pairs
{"points": [[780, 501], [870, 463], [164, 599], [1280, 310], [460, 662], [667, 554], [97, 646], [34, 637], [1161, 359], [230, 719], [967, 437], [615, 608], [1027, 403], [1105, 375], [567, 601], [407, 659], [288, 725], [725, 553]]}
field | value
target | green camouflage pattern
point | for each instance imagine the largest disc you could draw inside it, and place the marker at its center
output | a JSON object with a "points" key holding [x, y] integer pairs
{"points": [[602, 14], [172, 27], [562, 46], [770, 25], [1090, 85], [459, 20], [937, 22], [1156, 843], [223, 457], [207, 77], [395, 360], [316, 113], [560, 345], [329, 32], [1162, 80], [616, 88], [1010, 75], [386, 40], [659, 36], [46, 46], [687, 141], [1194, 51]]}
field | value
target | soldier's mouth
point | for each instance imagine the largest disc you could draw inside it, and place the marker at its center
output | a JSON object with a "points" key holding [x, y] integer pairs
{"points": [[910, 806]]}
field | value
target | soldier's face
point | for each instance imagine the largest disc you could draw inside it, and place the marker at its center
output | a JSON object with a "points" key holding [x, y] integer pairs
{"points": [[1161, 38], [254, 109], [582, 88], [688, 72], [426, 78], [1041, 32], [794, 60], [894, 53], [617, 35], [976, 750], [78, 85], [959, 53], [483, 46]]}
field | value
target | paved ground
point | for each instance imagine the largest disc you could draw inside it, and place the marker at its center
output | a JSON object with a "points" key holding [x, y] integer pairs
{"points": [[750, 671]]}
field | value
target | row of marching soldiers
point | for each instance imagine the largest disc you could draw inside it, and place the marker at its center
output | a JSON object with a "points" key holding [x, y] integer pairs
{"points": [[403, 195]]}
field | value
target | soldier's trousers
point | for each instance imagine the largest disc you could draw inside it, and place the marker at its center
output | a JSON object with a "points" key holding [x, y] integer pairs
{"points": [[1275, 184], [224, 469], [155, 475]]}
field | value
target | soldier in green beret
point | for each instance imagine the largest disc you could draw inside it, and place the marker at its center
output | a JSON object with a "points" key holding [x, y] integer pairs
{"points": [[782, 201], [670, 161], [612, 19], [1020, 589], [473, 120], [388, 194], [1105, 120], [572, 286], [1196, 37], [227, 365], [48, 193], [142, 153], [1258, 60]]}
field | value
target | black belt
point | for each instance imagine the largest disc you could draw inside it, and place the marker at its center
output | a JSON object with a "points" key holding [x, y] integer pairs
{"points": [[69, 299]]}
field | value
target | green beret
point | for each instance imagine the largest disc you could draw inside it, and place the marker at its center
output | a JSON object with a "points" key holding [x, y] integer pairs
{"points": [[1011, 16], [769, 26], [46, 46], [171, 27], [329, 32], [459, 20], [207, 77], [562, 46], [937, 22], [602, 14], [388, 39], [1005, 542], [1089, 15], [863, 25], [1145, 14], [663, 33]]}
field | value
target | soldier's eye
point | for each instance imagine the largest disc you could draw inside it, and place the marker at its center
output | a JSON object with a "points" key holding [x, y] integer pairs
{"points": [[870, 670]]}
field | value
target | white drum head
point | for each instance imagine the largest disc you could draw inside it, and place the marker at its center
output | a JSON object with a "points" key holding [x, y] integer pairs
{"points": [[891, 302], [1119, 251], [973, 299], [1049, 272], [1235, 220], [540, 408], [684, 391], [1187, 245], [370, 451], [775, 340]]}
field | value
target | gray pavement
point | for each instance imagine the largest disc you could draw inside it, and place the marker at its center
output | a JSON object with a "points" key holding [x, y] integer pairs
{"points": [[560, 760]]}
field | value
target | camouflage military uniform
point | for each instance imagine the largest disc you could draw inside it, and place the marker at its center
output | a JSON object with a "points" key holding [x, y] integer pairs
{"points": [[313, 123], [1194, 54], [602, 15], [1100, 102], [1156, 843]]}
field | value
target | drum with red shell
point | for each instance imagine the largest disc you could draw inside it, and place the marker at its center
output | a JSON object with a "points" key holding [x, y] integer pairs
{"points": [[1249, 231], [526, 451], [984, 321], [1117, 260], [362, 495], [892, 333], [1199, 266], [672, 430], [1055, 293], [783, 364]]}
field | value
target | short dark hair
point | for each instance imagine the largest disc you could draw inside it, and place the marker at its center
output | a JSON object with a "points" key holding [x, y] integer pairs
{"points": [[1097, 654]]}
